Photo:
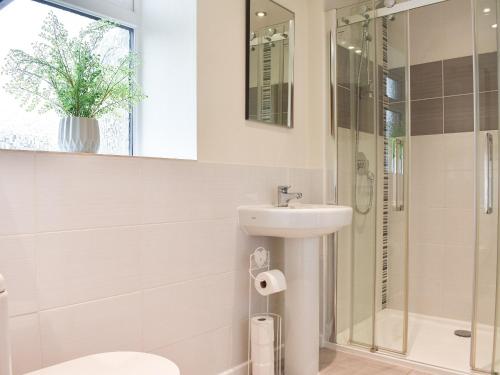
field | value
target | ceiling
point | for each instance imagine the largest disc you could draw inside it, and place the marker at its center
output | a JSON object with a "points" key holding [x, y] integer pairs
{"points": [[275, 14]]}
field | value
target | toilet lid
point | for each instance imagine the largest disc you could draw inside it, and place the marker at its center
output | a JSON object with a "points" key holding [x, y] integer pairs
{"points": [[116, 363]]}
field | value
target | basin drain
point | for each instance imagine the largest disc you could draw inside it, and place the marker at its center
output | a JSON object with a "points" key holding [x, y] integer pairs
{"points": [[462, 333]]}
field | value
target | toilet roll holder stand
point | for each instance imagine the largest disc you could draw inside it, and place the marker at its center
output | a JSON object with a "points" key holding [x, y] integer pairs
{"points": [[260, 261]]}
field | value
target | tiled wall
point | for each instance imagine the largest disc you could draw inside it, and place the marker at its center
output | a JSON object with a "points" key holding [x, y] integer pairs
{"points": [[442, 99], [113, 253], [442, 225], [442, 176], [442, 181]]}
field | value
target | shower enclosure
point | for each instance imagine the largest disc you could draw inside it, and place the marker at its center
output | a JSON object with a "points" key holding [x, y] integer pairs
{"points": [[414, 150]]}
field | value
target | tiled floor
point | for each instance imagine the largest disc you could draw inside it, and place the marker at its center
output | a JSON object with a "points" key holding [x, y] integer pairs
{"points": [[338, 363]]}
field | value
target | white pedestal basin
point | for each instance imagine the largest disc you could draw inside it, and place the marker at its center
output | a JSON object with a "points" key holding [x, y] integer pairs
{"points": [[301, 225]]}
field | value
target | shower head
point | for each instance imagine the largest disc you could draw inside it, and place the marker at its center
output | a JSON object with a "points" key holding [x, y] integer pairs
{"points": [[388, 3]]}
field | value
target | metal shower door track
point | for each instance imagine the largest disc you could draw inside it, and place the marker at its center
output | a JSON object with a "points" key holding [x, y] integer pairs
{"points": [[382, 12]]}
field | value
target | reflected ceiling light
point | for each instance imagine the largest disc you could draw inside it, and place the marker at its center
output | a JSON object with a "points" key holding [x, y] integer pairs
{"points": [[350, 47], [358, 51], [486, 10], [494, 25], [261, 14]]}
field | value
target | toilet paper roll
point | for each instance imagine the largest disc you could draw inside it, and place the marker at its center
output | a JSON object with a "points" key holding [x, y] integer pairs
{"points": [[262, 345], [270, 282], [262, 330]]}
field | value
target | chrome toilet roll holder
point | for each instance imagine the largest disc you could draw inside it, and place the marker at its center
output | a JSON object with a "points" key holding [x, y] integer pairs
{"points": [[260, 261]]}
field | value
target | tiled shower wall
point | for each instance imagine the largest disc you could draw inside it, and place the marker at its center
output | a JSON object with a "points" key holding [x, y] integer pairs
{"points": [[116, 253], [442, 176], [442, 181]]}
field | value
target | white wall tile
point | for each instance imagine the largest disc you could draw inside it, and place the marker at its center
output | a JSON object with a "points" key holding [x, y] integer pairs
{"points": [[17, 192], [456, 272], [83, 191], [25, 341], [457, 303], [179, 311], [133, 254], [239, 342], [442, 225], [428, 225], [427, 261], [182, 251], [17, 265], [180, 191], [427, 152], [207, 354], [111, 324], [459, 227], [459, 151], [460, 189], [429, 189], [85, 265], [426, 296]]}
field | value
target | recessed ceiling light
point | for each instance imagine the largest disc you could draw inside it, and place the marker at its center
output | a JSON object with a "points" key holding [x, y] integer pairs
{"points": [[350, 47], [358, 51], [486, 10], [261, 14], [494, 25]]}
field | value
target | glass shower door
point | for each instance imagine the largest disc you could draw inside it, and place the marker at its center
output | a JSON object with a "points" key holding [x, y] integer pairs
{"points": [[485, 350], [358, 161], [372, 152], [391, 303]]}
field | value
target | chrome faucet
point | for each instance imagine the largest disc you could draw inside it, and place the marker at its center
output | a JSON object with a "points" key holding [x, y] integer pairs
{"points": [[284, 196]]}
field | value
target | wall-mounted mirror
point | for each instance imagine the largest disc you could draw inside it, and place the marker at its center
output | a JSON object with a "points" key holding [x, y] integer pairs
{"points": [[270, 51]]}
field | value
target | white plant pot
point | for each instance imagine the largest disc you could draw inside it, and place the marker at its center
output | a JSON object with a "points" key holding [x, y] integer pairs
{"points": [[79, 134]]}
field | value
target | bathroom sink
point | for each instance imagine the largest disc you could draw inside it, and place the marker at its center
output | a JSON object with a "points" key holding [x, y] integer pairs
{"points": [[295, 221], [301, 226]]}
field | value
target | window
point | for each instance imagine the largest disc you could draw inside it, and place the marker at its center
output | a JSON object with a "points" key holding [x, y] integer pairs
{"points": [[20, 24], [393, 89]]}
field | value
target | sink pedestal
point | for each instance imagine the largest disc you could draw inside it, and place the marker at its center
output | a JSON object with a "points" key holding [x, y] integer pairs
{"points": [[301, 225], [302, 306]]}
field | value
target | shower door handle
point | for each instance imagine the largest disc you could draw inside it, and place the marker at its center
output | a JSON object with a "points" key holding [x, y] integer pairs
{"points": [[398, 175], [488, 175]]}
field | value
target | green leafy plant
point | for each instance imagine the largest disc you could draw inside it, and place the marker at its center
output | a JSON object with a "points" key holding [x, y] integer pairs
{"points": [[75, 76]]}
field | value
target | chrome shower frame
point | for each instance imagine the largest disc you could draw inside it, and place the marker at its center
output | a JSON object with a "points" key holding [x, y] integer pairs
{"points": [[330, 255]]}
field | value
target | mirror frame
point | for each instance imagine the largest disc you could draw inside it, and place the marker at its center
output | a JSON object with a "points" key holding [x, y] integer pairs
{"points": [[290, 120]]}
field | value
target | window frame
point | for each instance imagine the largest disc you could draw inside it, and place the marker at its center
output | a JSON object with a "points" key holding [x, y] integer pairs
{"points": [[124, 19]]}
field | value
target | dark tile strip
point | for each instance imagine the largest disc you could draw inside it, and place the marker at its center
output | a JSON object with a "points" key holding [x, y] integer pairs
{"points": [[488, 110], [427, 116], [458, 76], [426, 80], [487, 66], [459, 113], [344, 107]]}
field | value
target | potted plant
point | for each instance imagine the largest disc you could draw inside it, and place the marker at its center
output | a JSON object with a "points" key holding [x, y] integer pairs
{"points": [[80, 78]]}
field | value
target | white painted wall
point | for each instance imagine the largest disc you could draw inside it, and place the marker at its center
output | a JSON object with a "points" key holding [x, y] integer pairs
{"points": [[223, 133], [167, 44]]}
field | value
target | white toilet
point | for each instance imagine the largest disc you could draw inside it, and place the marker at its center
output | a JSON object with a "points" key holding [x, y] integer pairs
{"points": [[115, 363]]}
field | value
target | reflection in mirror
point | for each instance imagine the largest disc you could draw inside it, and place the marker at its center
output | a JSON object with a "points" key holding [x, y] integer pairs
{"points": [[270, 50]]}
